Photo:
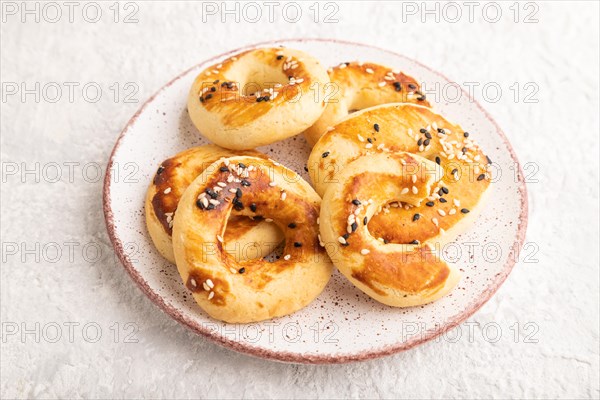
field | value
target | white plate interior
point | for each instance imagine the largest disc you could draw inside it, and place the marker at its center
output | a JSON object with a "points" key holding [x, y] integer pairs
{"points": [[343, 323]]}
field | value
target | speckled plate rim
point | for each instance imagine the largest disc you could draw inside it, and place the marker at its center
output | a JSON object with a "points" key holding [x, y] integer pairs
{"points": [[294, 357]]}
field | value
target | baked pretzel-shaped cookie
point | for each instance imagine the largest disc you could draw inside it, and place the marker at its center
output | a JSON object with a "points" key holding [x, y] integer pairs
{"points": [[398, 275], [244, 238], [356, 86], [258, 97], [454, 201], [256, 290]]}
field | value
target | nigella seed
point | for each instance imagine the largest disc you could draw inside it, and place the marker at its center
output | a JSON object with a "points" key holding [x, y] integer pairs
{"points": [[426, 142], [438, 160], [443, 200], [420, 141], [481, 177], [376, 127], [245, 182], [416, 217], [429, 204], [199, 204], [356, 202], [253, 207], [160, 170], [354, 226], [297, 244], [411, 86], [242, 270], [466, 134], [324, 155], [365, 220], [428, 135], [464, 211], [238, 193], [414, 242], [445, 189], [291, 225]]}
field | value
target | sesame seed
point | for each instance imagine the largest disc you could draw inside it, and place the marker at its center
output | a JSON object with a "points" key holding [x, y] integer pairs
{"points": [[415, 190], [167, 190], [220, 238], [441, 212], [283, 195], [362, 139], [452, 212], [200, 203], [411, 86], [456, 202], [435, 221], [205, 286], [376, 127], [445, 190], [211, 295], [438, 160], [210, 283], [466, 134], [364, 252], [253, 207], [242, 270], [354, 226], [297, 244], [416, 217], [369, 71], [272, 183], [429, 204], [397, 86], [414, 242], [324, 155], [365, 220], [292, 225], [404, 191], [268, 219], [245, 182], [222, 184], [215, 202], [427, 135], [414, 178], [465, 210], [368, 145], [287, 257], [426, 142], [193, 282], [443, 200], [481, 177], [342, 240]]}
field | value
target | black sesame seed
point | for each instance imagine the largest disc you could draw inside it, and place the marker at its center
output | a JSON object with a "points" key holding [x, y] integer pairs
{"points": [[441, 192], [356, 202], [414, 242], [259, 99], [291, 225], [210, 207], [443, 200], [464, 150], [464, 211], [242, 165], [279, 57], [421, 98], [428, 135], [213, 89], [253, 207], [411, 86], [369, 140], [201, 99], [422, 130], [238, 206], [211, 193], [215, 82], [242, 270], [445, 189], [420, 141], [429, 204], [438, 160], [454, 171], [208, 96], [297, 244], [160, 170], [376, 127], [245, 182], [440, 130], [324, 155], [397, 86], [481, 177], [223, 169], [426, 142], [306, 168], [346, 235], [416, 217], [199, 204], [345, 244], [354, 226], [466, 134], [238, 193], [365, 220]]}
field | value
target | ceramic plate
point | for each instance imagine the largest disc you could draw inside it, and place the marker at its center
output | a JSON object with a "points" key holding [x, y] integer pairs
{"points": [[342, 324]]}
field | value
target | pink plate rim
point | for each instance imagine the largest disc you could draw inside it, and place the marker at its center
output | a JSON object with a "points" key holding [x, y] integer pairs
{"points": [[293, 357]]}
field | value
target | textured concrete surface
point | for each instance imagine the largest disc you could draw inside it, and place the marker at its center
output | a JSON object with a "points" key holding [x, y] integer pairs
{"points": [[59, 274]]}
